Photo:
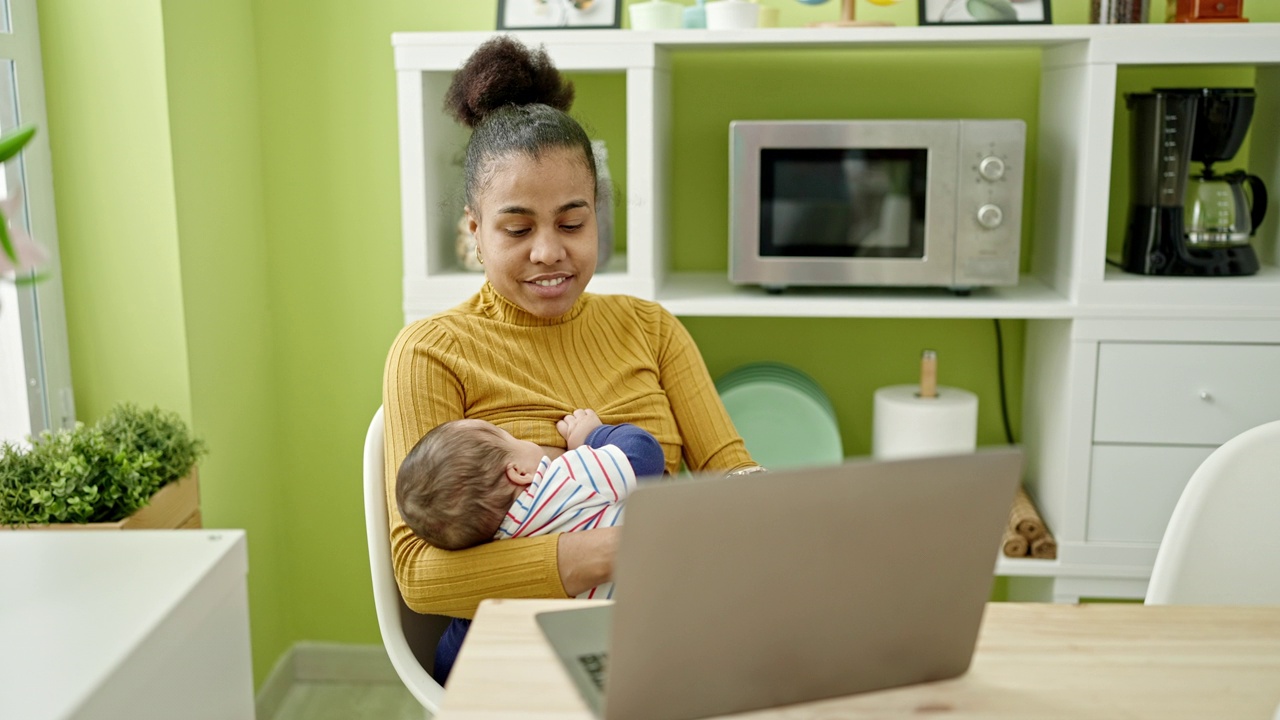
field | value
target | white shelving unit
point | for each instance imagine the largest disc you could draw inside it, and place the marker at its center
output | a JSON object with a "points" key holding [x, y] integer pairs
{"points": [[1091, 329]]}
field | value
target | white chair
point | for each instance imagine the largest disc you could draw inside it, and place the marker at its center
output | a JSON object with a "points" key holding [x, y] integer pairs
{"points": [[1222, 544], [409, 637]]}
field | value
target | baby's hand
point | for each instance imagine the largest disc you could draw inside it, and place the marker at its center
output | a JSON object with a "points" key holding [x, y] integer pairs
{"points": [[576, 427]]}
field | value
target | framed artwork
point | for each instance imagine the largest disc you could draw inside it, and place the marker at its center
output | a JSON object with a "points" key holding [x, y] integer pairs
{"points": [[559, 14], [983, 12]]}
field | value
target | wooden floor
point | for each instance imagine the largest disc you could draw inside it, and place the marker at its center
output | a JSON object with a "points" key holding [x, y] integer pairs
{"points": [[348, 701]]}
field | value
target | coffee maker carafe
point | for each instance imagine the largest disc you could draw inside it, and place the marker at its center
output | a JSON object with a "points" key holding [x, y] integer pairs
{"points": [[1220, 212], [1191, 225]]}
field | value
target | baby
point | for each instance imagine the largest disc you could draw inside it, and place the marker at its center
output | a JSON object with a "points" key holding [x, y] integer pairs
{"points": [[468, 482]]}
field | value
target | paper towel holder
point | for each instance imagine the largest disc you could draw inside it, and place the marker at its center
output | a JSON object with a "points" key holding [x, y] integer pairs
{"points": [[928, 374]]}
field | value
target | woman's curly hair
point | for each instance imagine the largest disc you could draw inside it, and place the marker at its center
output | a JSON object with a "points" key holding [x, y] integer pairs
{"points": [[515, 101]]}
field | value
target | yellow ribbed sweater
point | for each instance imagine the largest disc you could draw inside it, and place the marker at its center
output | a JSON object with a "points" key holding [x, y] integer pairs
{"points": [[628, 359]]}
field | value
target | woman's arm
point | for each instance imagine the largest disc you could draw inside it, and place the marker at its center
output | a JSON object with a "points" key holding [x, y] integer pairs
{"points": [[586, 558], [423, 387], [710, 440]]}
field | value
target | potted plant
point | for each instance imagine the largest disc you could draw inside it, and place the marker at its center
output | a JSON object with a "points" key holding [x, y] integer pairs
{"points": [[133, 469]]}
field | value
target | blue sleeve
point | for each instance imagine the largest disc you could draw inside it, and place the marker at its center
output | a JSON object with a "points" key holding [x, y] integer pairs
{"points": [[641, 448]]}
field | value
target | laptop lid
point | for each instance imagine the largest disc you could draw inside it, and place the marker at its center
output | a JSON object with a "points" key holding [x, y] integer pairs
{"points": [[770, 589]]}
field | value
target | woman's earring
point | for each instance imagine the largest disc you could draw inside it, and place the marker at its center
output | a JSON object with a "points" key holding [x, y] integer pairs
{"points": [[478, 258]]}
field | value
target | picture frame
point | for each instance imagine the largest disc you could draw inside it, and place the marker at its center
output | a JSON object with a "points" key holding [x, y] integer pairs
{"points": [[559, 14], [984, 12]]}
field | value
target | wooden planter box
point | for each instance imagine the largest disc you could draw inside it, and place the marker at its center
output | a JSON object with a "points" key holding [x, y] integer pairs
{"points": [[174, 506]]}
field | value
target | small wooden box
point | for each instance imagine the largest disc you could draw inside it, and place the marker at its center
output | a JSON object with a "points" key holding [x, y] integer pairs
{"points": [[175, 506]]}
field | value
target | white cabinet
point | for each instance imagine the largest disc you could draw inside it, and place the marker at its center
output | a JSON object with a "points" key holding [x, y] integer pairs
{"points": [[139, 624], [1161, 409], [1107, 353], [1115, 423]]}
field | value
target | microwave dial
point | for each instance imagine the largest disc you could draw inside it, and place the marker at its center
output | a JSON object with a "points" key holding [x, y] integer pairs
{"points": [[990, 216], [991, 168]]}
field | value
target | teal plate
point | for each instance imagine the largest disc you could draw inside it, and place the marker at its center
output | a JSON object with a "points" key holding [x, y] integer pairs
{"points": [[783, 426]]}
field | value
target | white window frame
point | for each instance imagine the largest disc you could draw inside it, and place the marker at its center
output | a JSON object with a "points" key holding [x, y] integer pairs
{"points": [[39, 344]]}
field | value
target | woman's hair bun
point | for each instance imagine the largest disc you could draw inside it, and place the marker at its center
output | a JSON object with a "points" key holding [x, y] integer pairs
{"points": [[504, 72]]}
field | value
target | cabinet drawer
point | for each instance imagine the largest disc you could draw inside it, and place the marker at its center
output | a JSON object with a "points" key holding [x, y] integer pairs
{"points": [[1133, 490], [1184, 394]]}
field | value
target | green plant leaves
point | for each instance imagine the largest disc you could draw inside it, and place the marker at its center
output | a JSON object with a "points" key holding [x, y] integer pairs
{"points": [[13, 141], [992, 10], [6, 243], [101, 473]]}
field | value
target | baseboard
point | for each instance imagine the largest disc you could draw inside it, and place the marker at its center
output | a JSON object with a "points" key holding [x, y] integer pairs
{"points": [[334, 662], [274, 689], [322, 662]]}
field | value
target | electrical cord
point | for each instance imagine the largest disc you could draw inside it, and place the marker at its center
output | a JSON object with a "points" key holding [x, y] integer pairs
{"points": [[1004, 403]]}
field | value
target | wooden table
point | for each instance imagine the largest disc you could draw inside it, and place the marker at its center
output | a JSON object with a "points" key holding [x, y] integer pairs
{"points": [[1033, 661], [138, 624]]}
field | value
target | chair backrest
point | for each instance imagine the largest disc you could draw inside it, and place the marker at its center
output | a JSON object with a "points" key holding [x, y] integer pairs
{"points": [[409, 637], [1222, 544]]}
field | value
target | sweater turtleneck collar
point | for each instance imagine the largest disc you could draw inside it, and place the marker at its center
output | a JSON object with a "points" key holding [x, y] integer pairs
{"points": [[494, 305]]}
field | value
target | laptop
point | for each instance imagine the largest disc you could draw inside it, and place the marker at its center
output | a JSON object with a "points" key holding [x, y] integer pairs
{"points": [[734, 594]]}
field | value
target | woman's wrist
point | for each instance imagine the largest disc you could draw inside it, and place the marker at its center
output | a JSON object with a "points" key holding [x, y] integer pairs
{"points": [[585, 559]]}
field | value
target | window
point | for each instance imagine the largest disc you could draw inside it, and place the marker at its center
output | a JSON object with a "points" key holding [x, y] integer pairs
{"points": [[35, 374]]}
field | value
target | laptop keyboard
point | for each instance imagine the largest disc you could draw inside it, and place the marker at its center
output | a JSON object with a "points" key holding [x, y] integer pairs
{"points": [[595, 664]]}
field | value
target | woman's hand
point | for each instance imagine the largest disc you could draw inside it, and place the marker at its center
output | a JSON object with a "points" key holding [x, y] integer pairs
{"points": [[586, 558], [577, 426]]}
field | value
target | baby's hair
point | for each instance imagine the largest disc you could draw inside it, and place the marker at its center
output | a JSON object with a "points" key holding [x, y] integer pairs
{"points": [[448, 488], [515, 101]]}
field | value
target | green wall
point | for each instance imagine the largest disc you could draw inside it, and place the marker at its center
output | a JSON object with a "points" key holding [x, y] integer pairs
{"points": [[228, 204], [113, 186], [215, 129], [154, 122]]}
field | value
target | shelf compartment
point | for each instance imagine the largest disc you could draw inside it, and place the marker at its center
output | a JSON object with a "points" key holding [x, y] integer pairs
{"points": [[711, 294], [1081, 44], [1122, 293]]}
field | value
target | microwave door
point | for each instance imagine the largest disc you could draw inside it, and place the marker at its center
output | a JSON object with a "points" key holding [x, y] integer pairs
{"points": [[850, 216]]}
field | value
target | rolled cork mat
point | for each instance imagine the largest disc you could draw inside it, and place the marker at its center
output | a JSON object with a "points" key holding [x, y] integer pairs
{"points": [[1013, 544], [1024, 519], [1044, 548]]}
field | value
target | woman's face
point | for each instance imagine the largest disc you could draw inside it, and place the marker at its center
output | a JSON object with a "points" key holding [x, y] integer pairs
{"points": [[535, 228]]}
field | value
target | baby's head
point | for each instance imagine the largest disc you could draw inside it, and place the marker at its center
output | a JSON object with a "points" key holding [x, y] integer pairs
{"points": [[455, 486]]}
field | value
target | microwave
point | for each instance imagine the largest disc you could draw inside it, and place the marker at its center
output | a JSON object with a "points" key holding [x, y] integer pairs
{"points": [[875, 203]]}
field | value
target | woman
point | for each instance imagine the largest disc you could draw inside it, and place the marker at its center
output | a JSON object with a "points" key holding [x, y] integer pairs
{"points": [[531, 345]]}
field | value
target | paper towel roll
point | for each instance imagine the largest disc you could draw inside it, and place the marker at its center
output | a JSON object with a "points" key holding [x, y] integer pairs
{"points": [[906, 425]]}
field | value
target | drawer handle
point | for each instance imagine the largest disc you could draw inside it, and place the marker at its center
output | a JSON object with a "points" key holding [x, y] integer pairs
{"points": [[1205, 396]]}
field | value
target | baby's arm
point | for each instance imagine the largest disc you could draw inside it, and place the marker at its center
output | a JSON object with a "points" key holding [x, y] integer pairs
{"points": [[576, 427], [642, 449]]}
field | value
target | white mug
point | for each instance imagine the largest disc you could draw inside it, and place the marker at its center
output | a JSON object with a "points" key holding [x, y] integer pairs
{"points": [[732, 15], [656, 15]]}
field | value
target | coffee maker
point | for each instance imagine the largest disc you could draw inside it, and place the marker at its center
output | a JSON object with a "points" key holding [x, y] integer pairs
{"points": [[1180, 224]]}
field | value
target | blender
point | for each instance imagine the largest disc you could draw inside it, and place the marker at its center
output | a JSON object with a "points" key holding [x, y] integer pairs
{"points": [[1183, 224]]}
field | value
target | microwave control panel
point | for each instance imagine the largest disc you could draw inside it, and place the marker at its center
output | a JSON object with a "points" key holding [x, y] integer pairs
{"points": [[992, 155]]}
